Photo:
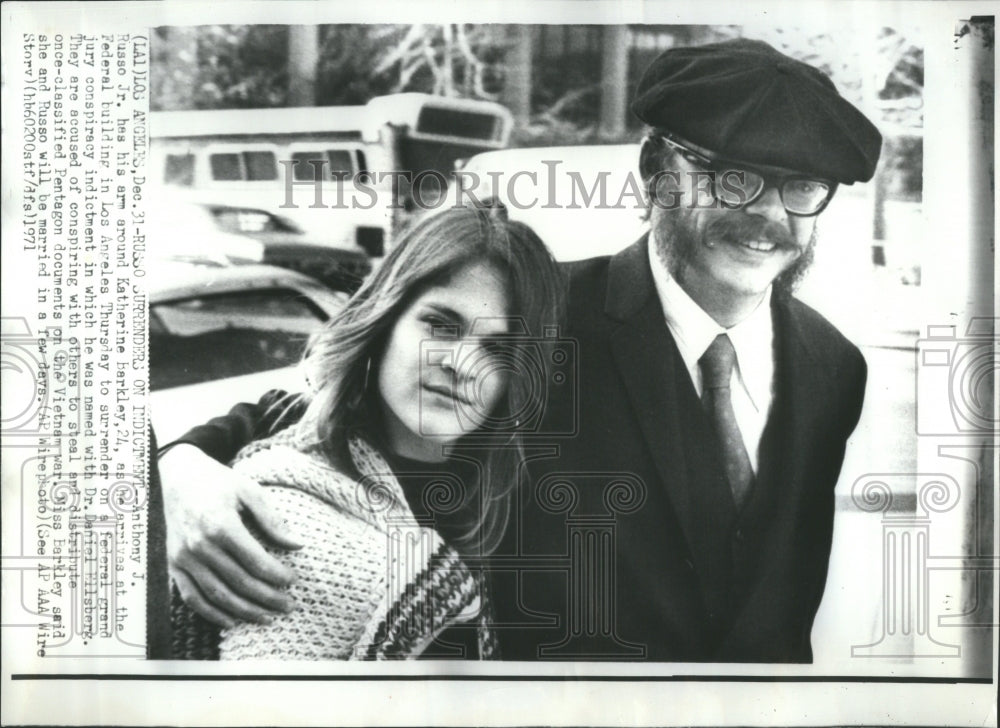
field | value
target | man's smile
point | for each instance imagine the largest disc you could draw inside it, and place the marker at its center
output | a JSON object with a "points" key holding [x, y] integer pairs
{"points": [[763, 246], [755, 248]]}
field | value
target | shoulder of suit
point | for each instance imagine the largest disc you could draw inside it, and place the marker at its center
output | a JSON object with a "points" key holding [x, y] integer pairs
{"points": [[586, 281], [578, 271], [823, 337]]}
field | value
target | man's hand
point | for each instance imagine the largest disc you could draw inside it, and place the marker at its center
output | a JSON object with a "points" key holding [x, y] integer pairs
{"points": [[221, 570]]}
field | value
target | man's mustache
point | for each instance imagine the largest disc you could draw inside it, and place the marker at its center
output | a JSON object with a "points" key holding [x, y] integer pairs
{"points": [[740, 228]]}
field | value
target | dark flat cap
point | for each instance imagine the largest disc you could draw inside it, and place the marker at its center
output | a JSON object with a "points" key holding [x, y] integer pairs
{"points": [[745, 101]]}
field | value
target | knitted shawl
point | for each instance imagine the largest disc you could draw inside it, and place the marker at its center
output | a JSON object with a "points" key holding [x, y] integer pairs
{"points": [[371, 581]]}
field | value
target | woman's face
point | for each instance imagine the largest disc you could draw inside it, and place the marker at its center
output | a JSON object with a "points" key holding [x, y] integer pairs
{"points": [[436, 379]]}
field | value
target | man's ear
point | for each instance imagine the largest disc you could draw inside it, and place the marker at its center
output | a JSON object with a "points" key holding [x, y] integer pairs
{"points": [[650, 158]]}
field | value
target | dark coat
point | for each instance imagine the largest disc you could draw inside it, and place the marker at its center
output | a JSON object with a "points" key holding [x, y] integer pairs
{"points": [[693, 580], [625, 543]]}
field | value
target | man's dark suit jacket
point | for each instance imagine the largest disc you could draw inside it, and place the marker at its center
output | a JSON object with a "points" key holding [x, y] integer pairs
{"points": [[626, 543]]}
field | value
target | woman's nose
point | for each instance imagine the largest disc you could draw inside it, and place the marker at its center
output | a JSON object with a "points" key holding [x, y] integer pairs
{"points": [[443, 354]]}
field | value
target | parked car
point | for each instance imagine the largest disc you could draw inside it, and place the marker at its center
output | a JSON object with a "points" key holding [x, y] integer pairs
{"points": [[187, 232], [288, 246], [583, 201], [181, 227], [221, 334]]}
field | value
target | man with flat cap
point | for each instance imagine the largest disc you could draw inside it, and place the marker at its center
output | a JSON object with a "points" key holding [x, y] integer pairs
{"points": [[714, 407]]}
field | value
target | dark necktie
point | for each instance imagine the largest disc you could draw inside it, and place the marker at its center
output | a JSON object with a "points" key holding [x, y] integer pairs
{"points": [[717, 371]]}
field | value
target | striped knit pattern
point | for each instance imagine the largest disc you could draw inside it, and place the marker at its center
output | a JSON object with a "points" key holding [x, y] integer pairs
{"points": [[192, 637], [425, 608], [371, 582]]}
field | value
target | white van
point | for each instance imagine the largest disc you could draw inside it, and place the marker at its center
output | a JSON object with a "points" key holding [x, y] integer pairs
{"points": [[340, 172]]}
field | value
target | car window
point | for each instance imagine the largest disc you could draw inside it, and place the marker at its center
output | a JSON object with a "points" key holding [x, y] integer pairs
{"points": [[248, 220], [260, 165], [225, 167], [341, 164], [204, 338], [308, 166], [252, 166], [364, 175], [315, 165], [179, 170]]}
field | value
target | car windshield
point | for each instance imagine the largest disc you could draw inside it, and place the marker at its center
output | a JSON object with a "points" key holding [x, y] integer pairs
{"points": [[204, 338]]}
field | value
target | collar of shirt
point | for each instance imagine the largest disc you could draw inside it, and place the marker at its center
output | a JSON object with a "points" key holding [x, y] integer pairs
{"points": [[694, 331]]}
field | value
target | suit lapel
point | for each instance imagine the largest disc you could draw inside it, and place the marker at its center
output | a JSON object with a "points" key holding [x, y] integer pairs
{"points": [[649, 364], [801, 383], [652, 370], [785, 444]]}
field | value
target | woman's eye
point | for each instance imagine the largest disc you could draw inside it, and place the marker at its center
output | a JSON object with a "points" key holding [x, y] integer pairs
{"points": [[439, 326]]}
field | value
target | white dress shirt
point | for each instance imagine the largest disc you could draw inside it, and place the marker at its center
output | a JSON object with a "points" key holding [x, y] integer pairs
{"points": [[753, 339]]}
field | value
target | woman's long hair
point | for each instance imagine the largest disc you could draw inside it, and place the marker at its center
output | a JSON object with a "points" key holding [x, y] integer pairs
{"points": [[342, 361]]}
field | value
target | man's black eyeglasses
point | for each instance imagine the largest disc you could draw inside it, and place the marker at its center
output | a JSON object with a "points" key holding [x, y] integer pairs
{"points": [[736, 185]]}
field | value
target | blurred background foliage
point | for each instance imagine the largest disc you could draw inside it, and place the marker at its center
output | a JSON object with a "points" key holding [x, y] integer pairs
{"points": [[564, 84]]}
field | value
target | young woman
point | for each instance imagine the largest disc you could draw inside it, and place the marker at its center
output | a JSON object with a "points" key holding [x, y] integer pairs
{"points": [[397, 469]]}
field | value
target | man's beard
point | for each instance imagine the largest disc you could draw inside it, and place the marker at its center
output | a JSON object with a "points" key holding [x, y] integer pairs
{"points": [[678, 240]]}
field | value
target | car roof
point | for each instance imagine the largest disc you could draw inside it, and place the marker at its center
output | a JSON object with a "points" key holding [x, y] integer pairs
{"points": [[582, 155], [172, 280], [292, 239]]}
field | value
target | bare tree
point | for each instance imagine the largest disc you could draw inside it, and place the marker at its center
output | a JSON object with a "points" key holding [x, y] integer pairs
{"points": [[303, 54], [448, 53], [517, 85], [614, 79]]}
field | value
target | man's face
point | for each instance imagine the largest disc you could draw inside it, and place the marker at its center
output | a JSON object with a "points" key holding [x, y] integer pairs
{"points": [[723, 255]]}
